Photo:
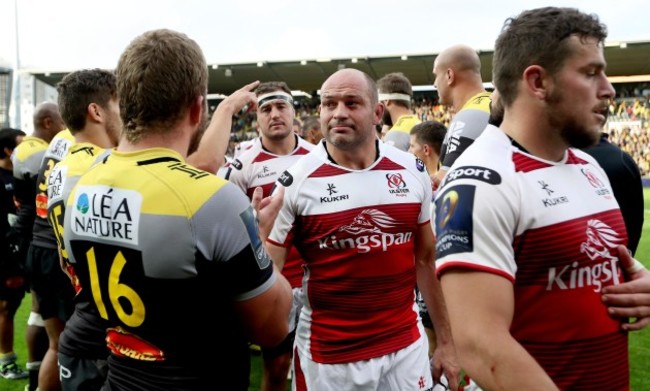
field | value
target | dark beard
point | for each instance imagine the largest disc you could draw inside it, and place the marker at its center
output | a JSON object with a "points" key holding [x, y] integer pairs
{"points": [[198, 134], [496, 114], [574, 133]]}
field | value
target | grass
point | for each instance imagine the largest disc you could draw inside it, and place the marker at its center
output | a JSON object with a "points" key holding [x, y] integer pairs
{"points": [[639, 341]]}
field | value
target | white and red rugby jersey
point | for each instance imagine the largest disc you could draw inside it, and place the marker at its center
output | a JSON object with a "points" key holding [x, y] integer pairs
{"points": [[259, 167], [552, 229], [355, 231]]}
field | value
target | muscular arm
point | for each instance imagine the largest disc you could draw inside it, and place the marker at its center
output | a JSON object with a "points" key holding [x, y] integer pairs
{"points": [[481, 307], [211, 151], [266, 316], [278, 254], [444, 357]]}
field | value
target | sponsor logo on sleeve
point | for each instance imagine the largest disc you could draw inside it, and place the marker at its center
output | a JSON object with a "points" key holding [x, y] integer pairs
{"points": [[261, 256], [59, 148], [419, 164], [237, 164], [285, 179], [454, 225], [55, 183], [453, 135], [482, 174], [103, 212]]}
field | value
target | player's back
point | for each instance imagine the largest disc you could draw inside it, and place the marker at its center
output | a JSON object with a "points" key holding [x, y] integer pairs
{"points": [[84, 332], [57, 149], [26, 159], [152, 238]]}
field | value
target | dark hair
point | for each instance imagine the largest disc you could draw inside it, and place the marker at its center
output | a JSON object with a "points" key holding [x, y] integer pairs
{"points": [[396, 83], [270, 86], [431, 133], [8, 139], [159, 76], [79, 89], [538, 36]]}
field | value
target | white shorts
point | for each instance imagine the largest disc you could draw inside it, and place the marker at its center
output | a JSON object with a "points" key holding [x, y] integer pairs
{"points": [[296, 306], [405, 370]]}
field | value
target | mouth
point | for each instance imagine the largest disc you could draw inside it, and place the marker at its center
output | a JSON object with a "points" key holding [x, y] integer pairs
{"points": [[602, 111], [341, 127]]}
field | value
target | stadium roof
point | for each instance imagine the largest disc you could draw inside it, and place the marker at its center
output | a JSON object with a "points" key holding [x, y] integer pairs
{"points": [[624, 59]]}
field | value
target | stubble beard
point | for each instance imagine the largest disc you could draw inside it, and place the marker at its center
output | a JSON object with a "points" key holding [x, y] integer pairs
{"points": [[574, 133]]}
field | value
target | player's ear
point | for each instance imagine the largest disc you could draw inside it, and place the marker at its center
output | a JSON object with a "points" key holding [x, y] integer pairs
{"points": [[196, 110], [536, 81], [93, 111], [451, 76]]}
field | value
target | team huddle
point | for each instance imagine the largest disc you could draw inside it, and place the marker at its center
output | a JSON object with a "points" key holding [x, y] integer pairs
{"points": [[491, 255]]}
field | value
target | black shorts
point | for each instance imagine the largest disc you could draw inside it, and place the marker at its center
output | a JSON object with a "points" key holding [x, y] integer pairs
{"points": [[13, 296], [79, 374], [284, 347], [426, 320], [53, 289], [12, 280], [16, 255]]}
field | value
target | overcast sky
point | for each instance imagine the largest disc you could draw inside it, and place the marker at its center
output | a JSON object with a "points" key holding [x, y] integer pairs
{"points": [[72, 34]]}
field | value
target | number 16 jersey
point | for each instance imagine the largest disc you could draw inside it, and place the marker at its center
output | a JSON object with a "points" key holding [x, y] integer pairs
{"points": [[161, 244]]}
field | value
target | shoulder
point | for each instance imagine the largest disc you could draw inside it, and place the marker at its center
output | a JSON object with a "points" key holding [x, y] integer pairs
{"points": [[29, 147], [480, 101], [60, 145], [305, 166], [488, 160], [169, 185]]}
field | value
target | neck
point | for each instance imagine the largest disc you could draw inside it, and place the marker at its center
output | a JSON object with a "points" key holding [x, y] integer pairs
{"points": [[528, 125], [280, 147], [176, 140], [42, 134], [399, 112], [432, 164], [463, 95], [95, 136], [356, 159]]}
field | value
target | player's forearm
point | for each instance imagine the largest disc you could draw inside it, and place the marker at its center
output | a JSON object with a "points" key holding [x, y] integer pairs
{"points": [[211, 152], [431, 291], [278, 254], [495, 361], [272, 324]]}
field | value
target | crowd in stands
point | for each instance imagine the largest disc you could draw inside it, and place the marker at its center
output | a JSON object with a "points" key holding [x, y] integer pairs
{"points": [[628, 125]]}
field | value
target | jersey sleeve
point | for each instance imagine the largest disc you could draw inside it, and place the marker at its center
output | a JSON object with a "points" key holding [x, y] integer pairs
{"points": [[398, 139], [228, 239], [25, 176], [281, 233], [466, 126], [425, 181], [236, 176], [475, 234]]}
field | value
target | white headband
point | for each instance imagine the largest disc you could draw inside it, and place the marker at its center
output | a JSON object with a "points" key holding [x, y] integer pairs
{"points": [[271, 96], [393, 96]]}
